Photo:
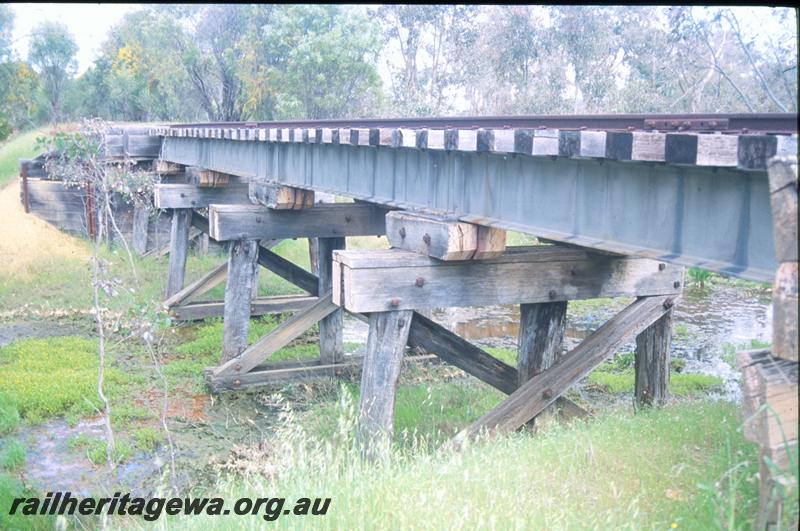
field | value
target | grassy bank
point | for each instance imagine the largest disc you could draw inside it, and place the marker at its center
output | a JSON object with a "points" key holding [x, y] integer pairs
{"points": [[686, 466]]}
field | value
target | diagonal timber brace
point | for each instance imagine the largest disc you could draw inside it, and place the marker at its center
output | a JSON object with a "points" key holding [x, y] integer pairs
{"points": [[543, 389]]}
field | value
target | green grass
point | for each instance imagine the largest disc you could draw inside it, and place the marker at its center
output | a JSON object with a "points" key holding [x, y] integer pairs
{"points": [[96, 451], [56, 376], [9, 415], [684, 466], [11, 488], [19, 147], [434, 411], [13, 456]]}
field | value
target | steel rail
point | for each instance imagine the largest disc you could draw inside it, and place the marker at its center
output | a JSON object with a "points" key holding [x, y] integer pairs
{"points": [[759, 123]]}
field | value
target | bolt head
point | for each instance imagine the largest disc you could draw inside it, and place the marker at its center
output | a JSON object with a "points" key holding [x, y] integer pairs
{"points": [[662, 266], [238, 367], [547, 394], [426, 238], [394, 303], [402, 232], [237, 383], [676, 284], [420, 282], [552, 294]]}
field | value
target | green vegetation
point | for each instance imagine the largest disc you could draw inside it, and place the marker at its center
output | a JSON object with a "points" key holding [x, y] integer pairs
{"points": [[13, 455], [95, 449], [11, 488], [20, 147], [147, 439], [9, 415], [607, 473], [56, 376], [699, 276], [729, 350]]}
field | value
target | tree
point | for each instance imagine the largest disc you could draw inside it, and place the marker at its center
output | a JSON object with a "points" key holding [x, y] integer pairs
{"points": [[321, 62], [52, 54]]}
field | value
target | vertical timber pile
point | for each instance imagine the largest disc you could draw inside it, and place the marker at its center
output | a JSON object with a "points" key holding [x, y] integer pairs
{"points": [[652, 362], [388, 334], [179, 247], [242, 265], [541, 334], [770, 377], [331, 348], [141, 221]]}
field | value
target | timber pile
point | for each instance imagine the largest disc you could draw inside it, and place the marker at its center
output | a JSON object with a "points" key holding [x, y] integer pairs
{"points": [[769, 377]]}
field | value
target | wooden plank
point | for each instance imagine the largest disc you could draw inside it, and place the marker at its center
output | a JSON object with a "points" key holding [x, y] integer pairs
{"points": [[178, 249], [277, 339], [432, 337], [228, 222], [717, 150], [191, 196], [288, 271], [242, 256], [280, 197], [648, 146], [293, 371], [331, 348], [435, 236], [651, 386], [166, 167], [202, 285], [388, 334], [197, 311], [381, 280], [770, 401], [543, 389], [491, 243], [206, 178], [141, 221]]}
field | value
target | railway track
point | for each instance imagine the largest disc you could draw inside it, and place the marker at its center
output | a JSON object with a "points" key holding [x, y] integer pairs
{"points": [[763, 123]]}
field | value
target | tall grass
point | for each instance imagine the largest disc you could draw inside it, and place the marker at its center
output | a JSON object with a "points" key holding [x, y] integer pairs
{"points": [[19, 147], [685, 466]]}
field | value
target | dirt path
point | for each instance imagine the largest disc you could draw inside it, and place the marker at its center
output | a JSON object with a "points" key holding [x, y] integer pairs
{"points": [[26, 240]]}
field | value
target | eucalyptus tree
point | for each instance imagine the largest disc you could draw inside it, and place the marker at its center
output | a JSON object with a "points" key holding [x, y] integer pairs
{"points": [[52, 54]]}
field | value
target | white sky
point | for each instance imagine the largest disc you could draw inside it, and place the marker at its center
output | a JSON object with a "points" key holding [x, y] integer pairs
{"points": [[88, 23]]}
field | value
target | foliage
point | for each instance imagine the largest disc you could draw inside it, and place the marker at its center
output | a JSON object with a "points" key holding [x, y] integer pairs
{"points": [[699, 276], [56, 376], [9, 415], [95, 449], [52, 54], [13, 455]]}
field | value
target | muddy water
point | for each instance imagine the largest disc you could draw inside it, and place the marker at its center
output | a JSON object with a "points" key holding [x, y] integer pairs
{"points": [[705, 323]]}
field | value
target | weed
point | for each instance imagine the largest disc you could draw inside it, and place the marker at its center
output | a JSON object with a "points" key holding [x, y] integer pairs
{"points": [[699, 276], [9, 415], [13, 456], [147, 439], [55, 376]]}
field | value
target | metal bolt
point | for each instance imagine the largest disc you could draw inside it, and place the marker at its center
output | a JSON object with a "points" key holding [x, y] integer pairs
{"points": [[547, 394], [662, 266], [237, 383], [238, 367], [573, 272], [348, 219], [394, 303], [676, 284], [426, 238], [402, 232], [183, 194], [669, 303], [258, 219], [420, 282], [552, 294], [401, 323]]}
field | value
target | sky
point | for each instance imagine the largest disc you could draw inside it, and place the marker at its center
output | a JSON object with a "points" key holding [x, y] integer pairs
{"points": [[89, 24]]}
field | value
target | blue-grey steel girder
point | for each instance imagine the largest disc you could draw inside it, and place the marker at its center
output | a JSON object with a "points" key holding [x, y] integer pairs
{"points": [[715, 218]]}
